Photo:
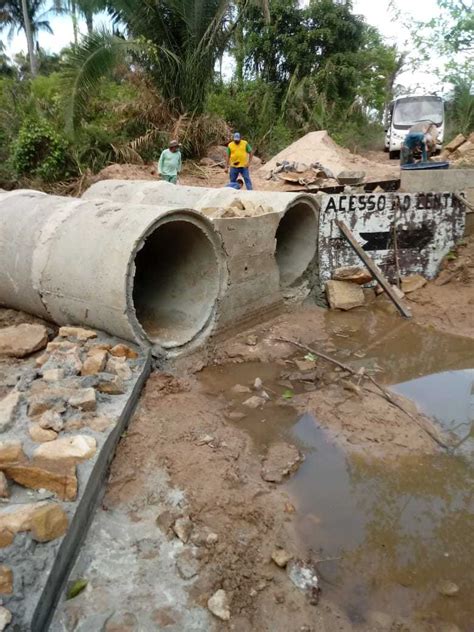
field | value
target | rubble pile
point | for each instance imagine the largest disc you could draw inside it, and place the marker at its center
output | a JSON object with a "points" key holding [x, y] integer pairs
{"points": [[61, 405], [317, 151], [460, 151]]}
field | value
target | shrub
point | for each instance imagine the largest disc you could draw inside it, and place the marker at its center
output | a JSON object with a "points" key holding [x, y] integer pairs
{"points": [[39, 151]]}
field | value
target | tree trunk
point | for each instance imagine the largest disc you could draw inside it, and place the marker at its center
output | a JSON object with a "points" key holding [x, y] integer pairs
{"points": [[89, 21], [29, 37], [239, 55], [74, 20]]}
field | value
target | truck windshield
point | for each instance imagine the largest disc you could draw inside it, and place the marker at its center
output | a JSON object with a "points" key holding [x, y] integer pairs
{"points": [[409, 111]]}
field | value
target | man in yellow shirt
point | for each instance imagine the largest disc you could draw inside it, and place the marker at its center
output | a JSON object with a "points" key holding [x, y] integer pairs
{"points": [[239, 157]]}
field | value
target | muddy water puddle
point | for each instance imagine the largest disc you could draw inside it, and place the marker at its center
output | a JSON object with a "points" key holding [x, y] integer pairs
{"points": [[402, 530]]}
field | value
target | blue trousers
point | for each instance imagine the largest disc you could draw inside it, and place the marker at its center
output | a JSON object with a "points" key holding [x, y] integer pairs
{"points": [[234, 173]]}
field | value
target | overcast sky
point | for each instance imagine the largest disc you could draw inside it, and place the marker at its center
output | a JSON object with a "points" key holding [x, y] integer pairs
{"points": [[376, 12]]}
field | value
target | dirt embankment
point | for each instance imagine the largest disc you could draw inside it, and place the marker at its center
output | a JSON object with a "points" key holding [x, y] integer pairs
{"points": [[447, 303]]}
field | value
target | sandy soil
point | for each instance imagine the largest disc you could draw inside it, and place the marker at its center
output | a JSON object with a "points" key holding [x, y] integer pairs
{"points": [[447, 303], [320, 147]]}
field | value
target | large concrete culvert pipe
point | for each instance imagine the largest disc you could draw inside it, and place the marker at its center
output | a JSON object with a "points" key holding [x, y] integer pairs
{"points": [[144, 273], [297, 228]]}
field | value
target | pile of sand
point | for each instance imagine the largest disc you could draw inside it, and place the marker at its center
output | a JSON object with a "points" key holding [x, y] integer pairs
{"points": [[320, 147]]}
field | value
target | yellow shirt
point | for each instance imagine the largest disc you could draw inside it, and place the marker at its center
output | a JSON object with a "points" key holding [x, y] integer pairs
{"points": [[239, 153]]}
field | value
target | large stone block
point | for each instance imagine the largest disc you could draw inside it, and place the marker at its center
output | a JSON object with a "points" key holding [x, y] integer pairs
{"points": [[344, 295]]}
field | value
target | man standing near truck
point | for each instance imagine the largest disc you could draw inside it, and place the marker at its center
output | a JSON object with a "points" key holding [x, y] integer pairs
{"points": [[239, 157], [420, 140]]}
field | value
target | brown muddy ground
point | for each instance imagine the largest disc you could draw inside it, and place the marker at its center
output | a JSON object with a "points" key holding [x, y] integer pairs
{"points": [[213, 448], [447, 303]]}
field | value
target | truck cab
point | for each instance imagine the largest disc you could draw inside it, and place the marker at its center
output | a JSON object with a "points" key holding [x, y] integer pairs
{"points": [[404, 112]]}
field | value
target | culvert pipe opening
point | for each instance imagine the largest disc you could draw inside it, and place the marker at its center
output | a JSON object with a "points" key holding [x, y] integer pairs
{"points": [[296, 237], [176, 284]]}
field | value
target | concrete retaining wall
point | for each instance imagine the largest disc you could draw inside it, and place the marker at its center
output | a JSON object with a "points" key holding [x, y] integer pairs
{"points": [[266, 253], [443, 180]]}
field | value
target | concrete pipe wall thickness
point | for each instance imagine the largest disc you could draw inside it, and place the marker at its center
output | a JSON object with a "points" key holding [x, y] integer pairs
{"points": [[296, 233], [145, 273]]}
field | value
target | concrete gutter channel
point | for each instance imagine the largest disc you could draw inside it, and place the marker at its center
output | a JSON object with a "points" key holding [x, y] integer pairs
{"points": [[151, 263]]}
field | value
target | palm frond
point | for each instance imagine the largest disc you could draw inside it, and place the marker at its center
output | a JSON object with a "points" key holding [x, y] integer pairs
{"points": [[96, 56]]}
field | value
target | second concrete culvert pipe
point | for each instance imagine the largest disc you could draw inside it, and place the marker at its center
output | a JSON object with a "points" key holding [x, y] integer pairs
{"points": [[145, 273], [296, 234]]}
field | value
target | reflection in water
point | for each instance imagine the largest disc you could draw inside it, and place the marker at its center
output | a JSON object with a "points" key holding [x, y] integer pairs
{"points": [[403, 349], [448, 397], [400, 529]]}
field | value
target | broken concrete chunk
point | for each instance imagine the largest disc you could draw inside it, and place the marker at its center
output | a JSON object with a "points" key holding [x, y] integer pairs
{"points": [[11, 452], [95, 362], [22, 340], [99, 424], [53, 375], [187, 564], [110, 384], [51, 420], [119, 366], [254, 402], [447, 588], [77, 332], [344, 295], [84, 399], [212, 539], [76, 448], [413, 283], [8, 408], [281, 557], [183, 527], [57, 477], [305, 365], [352, 274], [455, 143], [218, 604], [6, 580], [351, 177], [68, 361], [48, 400], [48, 523], [4, 490], [240, 388], [61, 345], [282, 459], [122, 351], [41, 435], [304, 577], [235, 415], [5, 618]]}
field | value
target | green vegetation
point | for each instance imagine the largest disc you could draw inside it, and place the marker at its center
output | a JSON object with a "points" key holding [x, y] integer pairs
{"points": [[118, 95]]}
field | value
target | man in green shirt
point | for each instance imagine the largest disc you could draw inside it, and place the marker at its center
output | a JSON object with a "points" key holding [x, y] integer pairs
{"points": [[169, 164]]}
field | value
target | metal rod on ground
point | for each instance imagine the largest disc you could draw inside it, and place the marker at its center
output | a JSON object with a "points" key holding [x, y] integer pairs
{"points": [[386, 394], [373, 268]]}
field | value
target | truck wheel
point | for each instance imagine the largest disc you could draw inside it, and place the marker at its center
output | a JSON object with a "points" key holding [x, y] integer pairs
{"points": [[393, 155]]}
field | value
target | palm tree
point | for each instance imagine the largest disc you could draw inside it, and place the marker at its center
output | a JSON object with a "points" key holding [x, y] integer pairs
{"points": [[28, 16], [176, 42]]}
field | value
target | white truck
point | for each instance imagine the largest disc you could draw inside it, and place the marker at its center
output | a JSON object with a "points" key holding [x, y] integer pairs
{"points": [[404, 112]]}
